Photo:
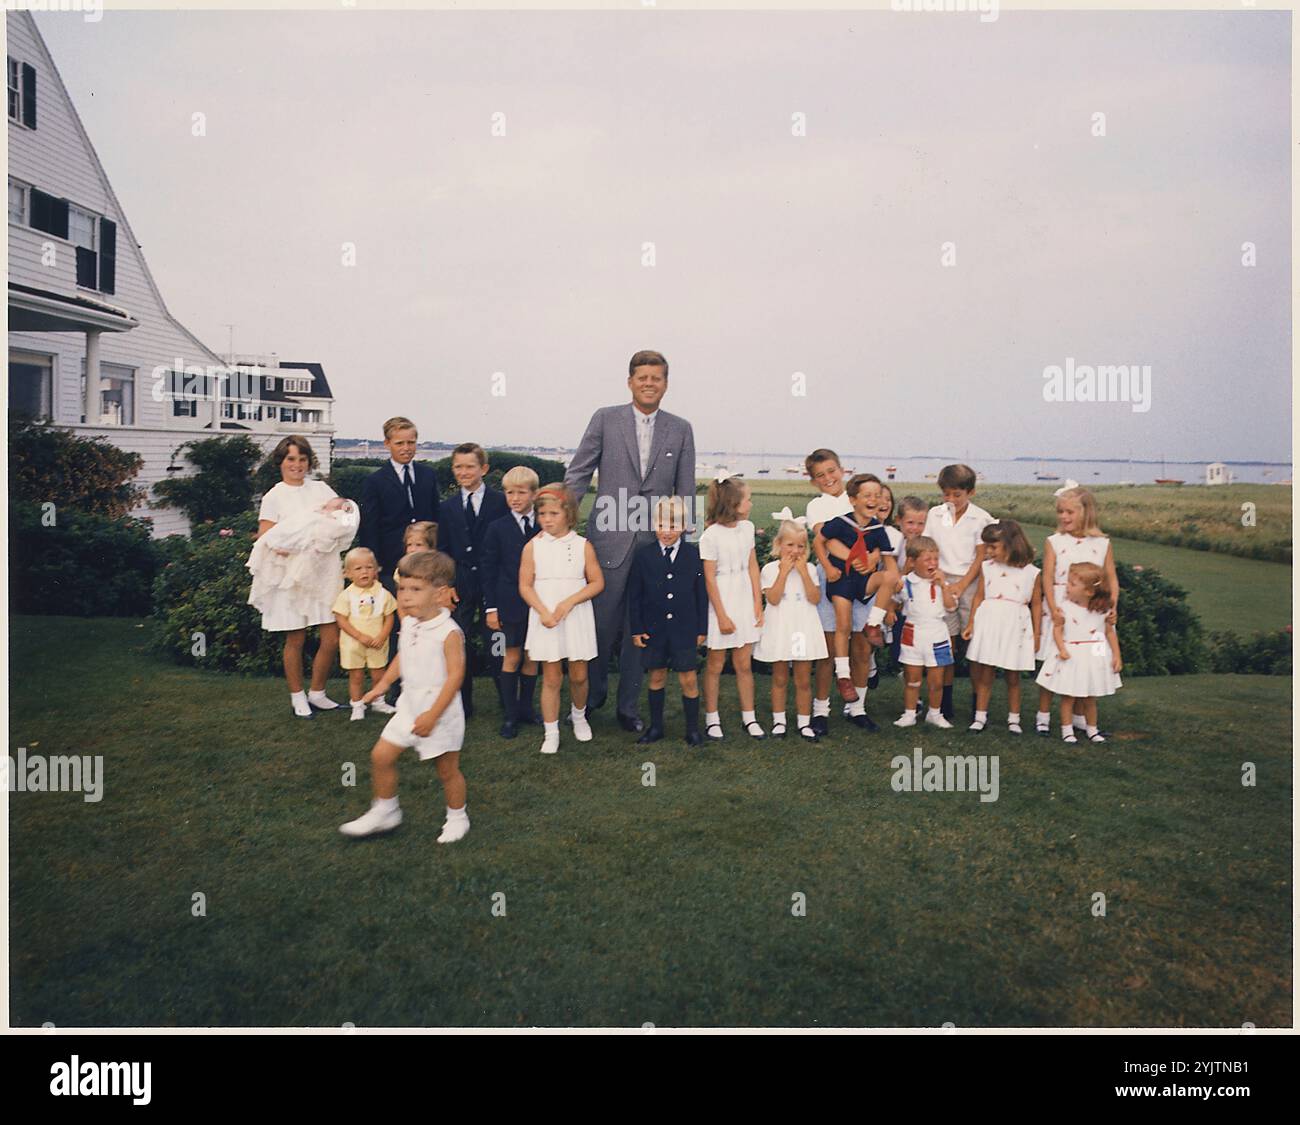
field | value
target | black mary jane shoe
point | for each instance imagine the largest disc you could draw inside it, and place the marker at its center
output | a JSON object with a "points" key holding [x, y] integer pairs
{"points": [[708, 732], [864, 722], [631, 723], [749, 730], [821, 725], [808, 734], [652, 734], [777, 731]]}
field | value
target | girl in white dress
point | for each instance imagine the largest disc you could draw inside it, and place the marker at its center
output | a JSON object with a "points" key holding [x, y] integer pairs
{"points": [[1003, 629], [558, 576], [792, 631], [286, 611], [1078, 538], [735, 600], [1085, 660]]}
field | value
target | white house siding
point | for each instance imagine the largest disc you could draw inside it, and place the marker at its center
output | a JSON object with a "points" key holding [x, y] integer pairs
{"points": [[58, 158]]}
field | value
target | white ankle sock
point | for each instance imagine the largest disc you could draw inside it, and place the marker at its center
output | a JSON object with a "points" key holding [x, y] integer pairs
{"points": [[461, 813], [748, 717], [386, 804], [981, 716], [711, 719], [821, 708], [803, 720], [862, 693], [1080, 722], [298, 699], [871, 664], [577, 712], [552, 728], [1043, 719], [778, 718], [841, 667]]}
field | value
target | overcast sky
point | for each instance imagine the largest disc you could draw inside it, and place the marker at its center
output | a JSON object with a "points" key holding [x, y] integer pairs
{"points": [[774, 253]]}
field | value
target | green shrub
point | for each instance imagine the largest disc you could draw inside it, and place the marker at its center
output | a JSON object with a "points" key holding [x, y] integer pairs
{"points": [[48, 465], [1264, 654], [202, 589], [500, 462], [221, 486], [84, 565], [1159, 635]]}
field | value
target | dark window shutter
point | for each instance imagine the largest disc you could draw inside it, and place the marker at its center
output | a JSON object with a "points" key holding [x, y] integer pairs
{"points": [[107, 256], [86, 268], [29, 96], [49, 214]]}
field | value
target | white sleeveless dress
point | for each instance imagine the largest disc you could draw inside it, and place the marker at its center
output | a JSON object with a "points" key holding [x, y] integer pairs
{"points": [[1069, 549], [791, 628], [1003, 634], [1088, 673], [730, 548], [559, 567]]}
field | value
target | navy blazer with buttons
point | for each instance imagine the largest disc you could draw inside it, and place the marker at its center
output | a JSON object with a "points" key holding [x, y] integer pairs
{"points": [[503, 546], [668, 598], [386, 511], [454, 538]]}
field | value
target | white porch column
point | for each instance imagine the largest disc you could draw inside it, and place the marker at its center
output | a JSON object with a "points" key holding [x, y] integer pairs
{"points": [[91, 405], [216, 400]]}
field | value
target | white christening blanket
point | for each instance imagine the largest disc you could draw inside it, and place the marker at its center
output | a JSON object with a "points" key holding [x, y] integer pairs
{"points": [[311, 572]]}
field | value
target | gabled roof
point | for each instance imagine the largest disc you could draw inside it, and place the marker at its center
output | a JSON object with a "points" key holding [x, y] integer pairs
{"points": [[126, 235], [320, 387]]}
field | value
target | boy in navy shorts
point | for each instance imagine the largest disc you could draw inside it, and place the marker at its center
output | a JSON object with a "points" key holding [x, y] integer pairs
{"points": [[668, 609], [504, 610]]}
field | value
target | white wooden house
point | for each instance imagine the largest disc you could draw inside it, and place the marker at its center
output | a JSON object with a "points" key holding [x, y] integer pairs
{"points": [[1217, 473], [81, 298]]}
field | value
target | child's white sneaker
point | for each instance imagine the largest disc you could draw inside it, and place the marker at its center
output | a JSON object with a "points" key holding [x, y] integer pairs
{"points": [[455, 828], [551, 743], [581, 728], [378, 819], [383, 706], [906, 719], [935, 718], [358, 710]]}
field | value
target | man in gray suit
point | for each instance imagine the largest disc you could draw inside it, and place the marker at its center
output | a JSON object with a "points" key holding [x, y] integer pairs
{"points": [[641, 453]]}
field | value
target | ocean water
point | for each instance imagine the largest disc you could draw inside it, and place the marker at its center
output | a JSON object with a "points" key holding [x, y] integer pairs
{"points": [[789, 466]]}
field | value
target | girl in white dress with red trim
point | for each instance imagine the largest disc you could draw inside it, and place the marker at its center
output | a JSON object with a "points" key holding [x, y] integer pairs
{"points": [[1085, 660], [735, 600], [558, 576], [1078, 538], [792, 631], [1003, 629]]}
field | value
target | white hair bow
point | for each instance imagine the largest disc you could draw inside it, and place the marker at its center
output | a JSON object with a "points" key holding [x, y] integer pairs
{"points": [[1069, 484], [785, 514], [726, 475]]}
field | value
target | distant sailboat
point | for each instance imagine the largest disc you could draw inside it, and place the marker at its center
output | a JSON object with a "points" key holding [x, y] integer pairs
{"points": [[763, 469], [1040, 474]]}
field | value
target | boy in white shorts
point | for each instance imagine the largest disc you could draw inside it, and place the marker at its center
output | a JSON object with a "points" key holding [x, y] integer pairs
{"points": [[430, 718], [956, 526], [927, 601]]}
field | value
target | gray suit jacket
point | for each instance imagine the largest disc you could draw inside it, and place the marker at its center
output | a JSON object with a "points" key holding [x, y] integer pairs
{"points": [[609, 445]]}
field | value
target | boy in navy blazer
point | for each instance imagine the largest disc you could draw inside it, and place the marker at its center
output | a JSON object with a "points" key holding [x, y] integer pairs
{"points": [[462, 526], [668, 608], [395, 496], [504, 610]]}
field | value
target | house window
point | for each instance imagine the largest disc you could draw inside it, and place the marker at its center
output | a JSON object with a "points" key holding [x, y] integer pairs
{"points": [[31, 384], [184, 408], [22, 92], [17, 203], [116, 394]]}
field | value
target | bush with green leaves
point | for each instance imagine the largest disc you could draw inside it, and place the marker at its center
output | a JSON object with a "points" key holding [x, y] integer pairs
{"points": [[1159, 635], [49, 465], [200, 602], [1264, 654], [78, 563], [221, 485]]}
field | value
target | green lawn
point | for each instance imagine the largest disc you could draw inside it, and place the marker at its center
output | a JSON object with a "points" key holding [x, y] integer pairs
{"points": [[628, 904]]}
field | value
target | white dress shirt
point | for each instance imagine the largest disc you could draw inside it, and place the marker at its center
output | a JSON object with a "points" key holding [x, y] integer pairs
{"points": [[645, 434]]}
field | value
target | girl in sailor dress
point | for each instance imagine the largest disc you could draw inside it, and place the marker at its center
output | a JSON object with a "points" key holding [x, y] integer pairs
{"points": [[1003, 627], [792, 631], [558, 577], [735, 600], [1085, 659], [1077, 539]]}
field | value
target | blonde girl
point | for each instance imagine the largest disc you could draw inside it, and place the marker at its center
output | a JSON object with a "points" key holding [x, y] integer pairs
{"points": [[1078, 538], [792, 631], [558, 577]]}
